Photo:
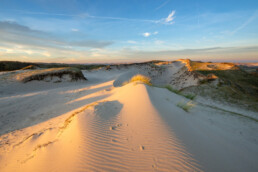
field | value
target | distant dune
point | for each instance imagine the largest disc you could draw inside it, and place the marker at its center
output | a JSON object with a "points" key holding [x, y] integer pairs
{"points": [[51, 74]]}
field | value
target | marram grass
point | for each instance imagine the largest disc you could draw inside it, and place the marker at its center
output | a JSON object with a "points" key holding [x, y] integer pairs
{"points": [[139, 78]]}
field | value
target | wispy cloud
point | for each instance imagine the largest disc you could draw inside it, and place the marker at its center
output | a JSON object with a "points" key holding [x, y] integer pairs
{"points": [[162, 5], [170, 17], [168, 20], [249, 20], [75, 30], [91, 43], [229, 54], [14, 33]]}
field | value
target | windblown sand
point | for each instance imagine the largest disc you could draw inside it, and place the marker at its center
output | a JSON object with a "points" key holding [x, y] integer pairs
{"points": [[99, 125]]}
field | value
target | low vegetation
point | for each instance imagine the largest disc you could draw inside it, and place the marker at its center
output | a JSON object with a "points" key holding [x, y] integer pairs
{"points": [[188, 96], [139, 78], [41, 74], [170, 88], [186, 106], [16, 65]]}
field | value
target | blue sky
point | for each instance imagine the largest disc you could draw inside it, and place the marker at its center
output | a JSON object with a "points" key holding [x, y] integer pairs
{"points": [[73, 31]]}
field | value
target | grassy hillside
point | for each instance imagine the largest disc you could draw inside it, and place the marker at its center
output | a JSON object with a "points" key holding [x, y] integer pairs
{"points": [[233, 84]]}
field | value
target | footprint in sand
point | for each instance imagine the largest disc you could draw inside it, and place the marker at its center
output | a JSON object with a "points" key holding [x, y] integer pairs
{"points": [[114, 127], [142, 148]]}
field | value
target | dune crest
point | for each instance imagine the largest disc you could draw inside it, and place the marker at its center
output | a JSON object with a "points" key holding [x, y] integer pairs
{"points": [[119, 134]]}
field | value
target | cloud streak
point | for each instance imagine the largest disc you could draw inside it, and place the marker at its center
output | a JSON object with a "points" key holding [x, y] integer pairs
{"points": [[229, 54], [249, 20], [170, 17], [14, 33], [162, 5], [92, 43], [167, 20]]}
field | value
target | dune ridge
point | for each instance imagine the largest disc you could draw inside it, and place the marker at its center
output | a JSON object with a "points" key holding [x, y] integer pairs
{"points": [[118, 134]]}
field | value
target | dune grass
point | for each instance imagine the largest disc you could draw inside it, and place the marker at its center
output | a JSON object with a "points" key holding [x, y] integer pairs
{"points": [[186, 106], [139, 78]]}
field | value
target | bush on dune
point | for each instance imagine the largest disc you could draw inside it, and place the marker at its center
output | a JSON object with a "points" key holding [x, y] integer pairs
{"points": [[139, 78]]}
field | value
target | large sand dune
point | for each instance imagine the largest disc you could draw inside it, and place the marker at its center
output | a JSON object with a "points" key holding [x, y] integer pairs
{"points": [[100, 125]]}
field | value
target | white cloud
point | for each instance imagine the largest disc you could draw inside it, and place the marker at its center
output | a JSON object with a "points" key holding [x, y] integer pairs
{"points": [[146, 34], [168, 20], [170, 17]]}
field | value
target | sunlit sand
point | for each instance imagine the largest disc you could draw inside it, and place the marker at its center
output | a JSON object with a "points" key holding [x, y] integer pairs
{"points": [[114, 123]]}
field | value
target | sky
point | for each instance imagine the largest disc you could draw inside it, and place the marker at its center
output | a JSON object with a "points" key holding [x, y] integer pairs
{"points": [[121, 31]]}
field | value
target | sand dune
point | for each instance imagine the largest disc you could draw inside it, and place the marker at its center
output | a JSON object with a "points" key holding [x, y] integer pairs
{"points": [[100, 125]]}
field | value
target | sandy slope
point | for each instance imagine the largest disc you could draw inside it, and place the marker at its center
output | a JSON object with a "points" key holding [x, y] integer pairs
{"points": [[99, 127]]}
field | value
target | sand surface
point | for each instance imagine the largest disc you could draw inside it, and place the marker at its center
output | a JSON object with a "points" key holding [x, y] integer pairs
{"points": [[100, 125]]}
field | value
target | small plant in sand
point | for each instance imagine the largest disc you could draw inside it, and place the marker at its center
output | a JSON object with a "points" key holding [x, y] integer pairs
{"points": [[139, 78], [186, 106]]}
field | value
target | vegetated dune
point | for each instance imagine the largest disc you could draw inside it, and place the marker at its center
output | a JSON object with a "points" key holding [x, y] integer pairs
{"points": [[52, 74], [225, 82], [30, 67], [107, 125]]}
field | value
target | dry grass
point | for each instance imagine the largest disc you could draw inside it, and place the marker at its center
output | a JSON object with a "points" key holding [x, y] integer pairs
{"points": [[186, 106], [200, 66], [139, 78]]}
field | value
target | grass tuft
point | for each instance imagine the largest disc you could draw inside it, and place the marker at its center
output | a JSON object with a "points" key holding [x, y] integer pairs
{"points": [[186, 106], [139, 78]]}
